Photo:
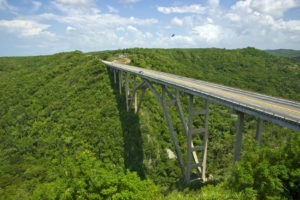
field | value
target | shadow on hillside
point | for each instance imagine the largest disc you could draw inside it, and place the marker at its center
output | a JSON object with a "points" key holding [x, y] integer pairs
{"points": [[133, 149]]}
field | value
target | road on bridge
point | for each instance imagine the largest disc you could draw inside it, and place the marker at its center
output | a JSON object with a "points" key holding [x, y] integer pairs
{"points": [[282, 109]]}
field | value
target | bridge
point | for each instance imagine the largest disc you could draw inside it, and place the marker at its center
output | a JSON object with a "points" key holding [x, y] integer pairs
{"points": [[265, 108]]}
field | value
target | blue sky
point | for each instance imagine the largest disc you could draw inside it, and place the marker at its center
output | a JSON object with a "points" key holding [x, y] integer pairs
{"points": [[39, 27]]}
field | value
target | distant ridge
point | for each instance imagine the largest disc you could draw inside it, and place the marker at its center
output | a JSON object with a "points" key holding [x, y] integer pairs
{"points": [[288, 53]]}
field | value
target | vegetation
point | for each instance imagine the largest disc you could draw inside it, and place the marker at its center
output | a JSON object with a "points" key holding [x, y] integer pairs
{"points": [[288, 53], [61, 134], [270, 173], [65, 132]]}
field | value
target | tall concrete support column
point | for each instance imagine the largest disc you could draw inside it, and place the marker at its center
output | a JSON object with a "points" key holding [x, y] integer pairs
{"points": [[135, 103], [141, 99], [120, 82], [260, 123], [205, 140], [127, 90], [191, 149], [134, 95], [115, 78], [189, 139], [238, 137]]}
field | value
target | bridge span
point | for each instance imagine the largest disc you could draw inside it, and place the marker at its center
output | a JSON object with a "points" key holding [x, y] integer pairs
{"points": [[266, 108]]}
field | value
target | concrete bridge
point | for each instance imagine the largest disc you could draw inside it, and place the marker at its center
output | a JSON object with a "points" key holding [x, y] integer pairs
{"points": [[266, 108]]}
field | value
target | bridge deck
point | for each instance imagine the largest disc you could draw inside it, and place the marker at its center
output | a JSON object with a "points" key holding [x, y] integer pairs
{"points": [[280, 111]]}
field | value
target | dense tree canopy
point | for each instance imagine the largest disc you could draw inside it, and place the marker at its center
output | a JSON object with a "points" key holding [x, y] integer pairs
{"points": [[65, 132]]}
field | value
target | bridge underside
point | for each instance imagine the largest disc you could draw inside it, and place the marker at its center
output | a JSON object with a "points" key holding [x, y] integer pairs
{"points": [[194, 168]]}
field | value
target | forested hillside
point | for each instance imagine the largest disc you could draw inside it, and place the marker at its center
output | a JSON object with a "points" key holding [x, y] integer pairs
{"points": [[65, 132], [61, 132], [288, 53]]}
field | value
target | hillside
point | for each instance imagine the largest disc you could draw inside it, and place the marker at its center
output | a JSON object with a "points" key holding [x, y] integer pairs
{"points": [[288, 53], [65, 133], [59, 122]]}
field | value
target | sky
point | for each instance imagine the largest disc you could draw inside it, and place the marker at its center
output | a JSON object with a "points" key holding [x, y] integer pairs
{"points": [[36, 27]]}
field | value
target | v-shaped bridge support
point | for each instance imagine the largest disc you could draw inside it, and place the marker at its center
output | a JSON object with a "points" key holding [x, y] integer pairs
{"points": [[188, 128]]}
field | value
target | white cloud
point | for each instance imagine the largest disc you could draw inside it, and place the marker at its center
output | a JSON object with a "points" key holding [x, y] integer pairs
{"points": [[70, 28], [213, 3], [132, 29], [233, 17], [176, 22], [148, 35], [196, 8], [242, 6], [182, 39], [36, 5], [76, 7], [25, 28], [93, 21], [246, 23], [4, 5], [259, 23], [112, 9], [129, 1], [76, 2], [209, 20], [292, 25], [88, 30], [208, 32], [120, 29], [275, 8], [242, 25]]}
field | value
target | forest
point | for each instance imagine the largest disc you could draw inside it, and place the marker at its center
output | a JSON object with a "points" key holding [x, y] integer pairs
{"points": [[65, 132], [288, 53]]}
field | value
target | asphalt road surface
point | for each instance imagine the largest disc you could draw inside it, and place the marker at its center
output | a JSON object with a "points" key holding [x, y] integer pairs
{"points": [[282, 108]]}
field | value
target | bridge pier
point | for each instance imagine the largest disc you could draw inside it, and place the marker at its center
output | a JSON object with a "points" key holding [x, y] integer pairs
{"points": [[238, 137], [115, 79], [141, 99], [120, 82], [127, 90], [260, 123], [134, 95], [133, 98], [191, 149]]}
